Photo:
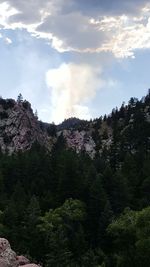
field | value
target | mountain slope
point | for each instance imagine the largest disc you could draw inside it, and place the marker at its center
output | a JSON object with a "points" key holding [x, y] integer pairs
{"points": [[123, 130]]}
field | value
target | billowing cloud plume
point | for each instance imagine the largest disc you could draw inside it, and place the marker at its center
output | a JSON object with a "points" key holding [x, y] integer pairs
{"points": [[86, 26], [95, 32], [72, 87]]}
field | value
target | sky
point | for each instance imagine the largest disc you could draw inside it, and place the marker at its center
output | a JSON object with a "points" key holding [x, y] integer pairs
{"points": [[74, 58]]}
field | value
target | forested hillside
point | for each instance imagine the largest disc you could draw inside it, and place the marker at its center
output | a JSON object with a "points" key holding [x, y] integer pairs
{"points": [[65, 208]]}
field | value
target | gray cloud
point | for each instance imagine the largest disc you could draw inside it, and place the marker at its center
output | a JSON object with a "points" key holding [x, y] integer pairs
{"points": [[74, 30], [85, 26], [28, 12], [31, 11], [109, 7]]}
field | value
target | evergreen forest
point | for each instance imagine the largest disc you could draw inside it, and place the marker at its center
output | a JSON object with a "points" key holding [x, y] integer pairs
{"points": [[63, 209]]}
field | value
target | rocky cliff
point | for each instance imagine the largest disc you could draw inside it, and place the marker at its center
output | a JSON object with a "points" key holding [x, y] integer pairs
{"points": [[19, 127], [79, 141]]}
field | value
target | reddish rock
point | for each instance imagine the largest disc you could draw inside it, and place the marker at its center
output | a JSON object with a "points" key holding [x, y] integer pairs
{"points": [[22, 260]]}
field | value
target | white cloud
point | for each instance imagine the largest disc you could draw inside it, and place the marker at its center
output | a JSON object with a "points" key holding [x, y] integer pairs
{"points": [[126, 33], [72, 87], [6, 11]]}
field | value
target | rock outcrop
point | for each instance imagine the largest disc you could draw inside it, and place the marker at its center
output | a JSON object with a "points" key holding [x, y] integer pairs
{"points": [[79, 141], [22, 260], [19, 127], [8, 257]]}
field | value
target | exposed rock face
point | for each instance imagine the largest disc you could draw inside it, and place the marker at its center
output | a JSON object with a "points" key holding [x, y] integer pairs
{"points": [[19, 127], [22, 260], [7, 255], [3, 263], [79, 141]]}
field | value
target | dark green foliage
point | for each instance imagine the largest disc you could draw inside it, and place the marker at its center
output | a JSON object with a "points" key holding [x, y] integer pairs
{"points": [[51, 130], [3, 115], [64, 209], [26, 104], [131, 237], [63, 233], [20, 98], [7, 103], [7, 139]]}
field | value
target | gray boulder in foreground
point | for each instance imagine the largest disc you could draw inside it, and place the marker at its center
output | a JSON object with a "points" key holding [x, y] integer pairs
{"points": [[8, 257]]}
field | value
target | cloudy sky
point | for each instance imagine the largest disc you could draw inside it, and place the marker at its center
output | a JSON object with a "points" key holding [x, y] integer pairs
{"points": [[74, 57]]}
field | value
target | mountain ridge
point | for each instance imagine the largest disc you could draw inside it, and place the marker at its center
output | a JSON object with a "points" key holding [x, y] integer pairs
{"points": [[20, 129]]}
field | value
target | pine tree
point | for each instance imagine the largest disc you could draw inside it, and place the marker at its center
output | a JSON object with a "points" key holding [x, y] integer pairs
{"points": [[20, 98]]}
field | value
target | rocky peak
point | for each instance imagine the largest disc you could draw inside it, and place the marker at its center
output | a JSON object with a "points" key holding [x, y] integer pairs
{"points": [[19, 127]]}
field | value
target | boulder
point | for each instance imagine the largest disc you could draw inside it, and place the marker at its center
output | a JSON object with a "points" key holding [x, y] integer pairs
{"points": [[22, 260], [3, 263], [7, 255]]}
